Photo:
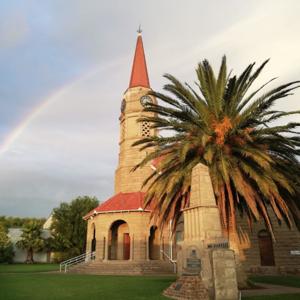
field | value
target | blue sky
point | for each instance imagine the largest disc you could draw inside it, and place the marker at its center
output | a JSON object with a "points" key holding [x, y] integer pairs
{"points": [[74, 58]]}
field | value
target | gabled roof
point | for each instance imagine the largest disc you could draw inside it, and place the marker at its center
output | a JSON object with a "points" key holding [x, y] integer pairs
{"points": [[139, 73], [121, 202]]}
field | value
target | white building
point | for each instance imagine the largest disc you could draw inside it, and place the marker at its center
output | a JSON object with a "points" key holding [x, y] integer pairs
{"points": [[20, 254]]}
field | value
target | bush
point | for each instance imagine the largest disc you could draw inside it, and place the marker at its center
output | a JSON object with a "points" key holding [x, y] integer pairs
{"points": [[68, 228], [6, 252], [58, 257], [6, 246]]}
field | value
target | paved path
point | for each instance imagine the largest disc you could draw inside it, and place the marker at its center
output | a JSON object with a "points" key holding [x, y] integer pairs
{"points": [[270, 289]]}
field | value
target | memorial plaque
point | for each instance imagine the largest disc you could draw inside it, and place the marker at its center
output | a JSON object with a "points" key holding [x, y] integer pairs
{"points": [[193, 263]]}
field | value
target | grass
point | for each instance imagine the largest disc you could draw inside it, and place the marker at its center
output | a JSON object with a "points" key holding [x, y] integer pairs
{"points": [[28, 282], [274, 297], [53, 286], [289, 280], [24, 268]]}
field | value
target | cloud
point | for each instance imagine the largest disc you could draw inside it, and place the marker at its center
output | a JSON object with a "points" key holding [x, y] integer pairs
{"points": [[14, 29], [269, 30], [71, 147]]}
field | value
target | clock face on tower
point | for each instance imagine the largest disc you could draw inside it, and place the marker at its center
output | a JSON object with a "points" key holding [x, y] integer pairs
{"points": [[145, 100], [123, 105]]}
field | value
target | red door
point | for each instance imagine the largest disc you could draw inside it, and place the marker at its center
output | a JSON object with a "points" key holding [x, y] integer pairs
{"points": [[126, 246], [266, 248]]}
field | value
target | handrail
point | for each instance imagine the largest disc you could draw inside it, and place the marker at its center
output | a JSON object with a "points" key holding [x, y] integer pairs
{"points": [[85, 257], [173, 261], [71, 259]]}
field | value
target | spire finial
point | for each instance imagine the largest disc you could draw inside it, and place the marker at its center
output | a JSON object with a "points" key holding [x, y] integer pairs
{"points": [[139, 31]]}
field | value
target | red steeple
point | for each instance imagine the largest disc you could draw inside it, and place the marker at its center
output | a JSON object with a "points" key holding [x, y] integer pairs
{"points": [[139, 74]]}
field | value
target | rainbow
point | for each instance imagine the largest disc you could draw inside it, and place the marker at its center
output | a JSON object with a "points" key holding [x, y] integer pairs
{"points": [[19, 129]]}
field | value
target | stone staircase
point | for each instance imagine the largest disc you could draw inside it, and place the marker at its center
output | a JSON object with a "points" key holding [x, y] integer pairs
{"points": [[124, 267]]}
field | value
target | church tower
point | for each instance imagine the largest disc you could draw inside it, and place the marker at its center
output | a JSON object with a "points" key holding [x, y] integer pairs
{"points": [[134, 99], [120, 228]]}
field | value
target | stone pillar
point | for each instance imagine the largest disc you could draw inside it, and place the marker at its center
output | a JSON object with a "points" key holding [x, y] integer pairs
{"points": [[99, 247], [147, 247], [106, 248], [88, 237], [88, 247], [202, 233], [140, 246], [161, 248], [131, 246]]}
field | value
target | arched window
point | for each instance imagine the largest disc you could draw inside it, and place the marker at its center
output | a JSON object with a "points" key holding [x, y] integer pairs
{"points": [[154, 243], [93, 245], [266, 248]]}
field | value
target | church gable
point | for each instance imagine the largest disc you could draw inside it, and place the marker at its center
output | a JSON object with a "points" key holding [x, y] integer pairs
{"points": [[121, 202]]}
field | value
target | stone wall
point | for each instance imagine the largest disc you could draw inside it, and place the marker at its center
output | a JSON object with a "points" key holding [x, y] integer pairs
{"points": [[287, 239], [139, 225]]}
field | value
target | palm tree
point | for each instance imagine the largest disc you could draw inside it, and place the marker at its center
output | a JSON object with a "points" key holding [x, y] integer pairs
{"points": [[31, 239], [251, 157]]}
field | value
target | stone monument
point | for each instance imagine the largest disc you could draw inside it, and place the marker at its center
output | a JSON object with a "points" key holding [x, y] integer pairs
{"points": [[204, 255]]}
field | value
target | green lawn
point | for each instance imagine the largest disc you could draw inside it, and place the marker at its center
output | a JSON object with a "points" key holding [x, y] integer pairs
{"points": [[24, 268], [28, 282], [289, 280], [71, 286], [276, 297]]}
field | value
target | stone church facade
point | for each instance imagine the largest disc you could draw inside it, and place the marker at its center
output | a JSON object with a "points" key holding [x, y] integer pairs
{"points": [[261, 255], [120, 229]]}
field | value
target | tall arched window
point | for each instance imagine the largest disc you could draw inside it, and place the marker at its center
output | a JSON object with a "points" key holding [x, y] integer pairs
{"points": [[93, 246], [266, 248], [154, 243]]}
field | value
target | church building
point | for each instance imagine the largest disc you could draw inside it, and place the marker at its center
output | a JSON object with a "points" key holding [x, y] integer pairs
{"points": [[120, 229]]}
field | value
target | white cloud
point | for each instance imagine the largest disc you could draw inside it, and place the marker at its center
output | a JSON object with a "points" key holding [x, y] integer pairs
{"points": [[71, 148]]}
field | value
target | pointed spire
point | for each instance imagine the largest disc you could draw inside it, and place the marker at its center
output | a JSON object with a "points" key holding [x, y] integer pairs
{"points": [[139, 73]]}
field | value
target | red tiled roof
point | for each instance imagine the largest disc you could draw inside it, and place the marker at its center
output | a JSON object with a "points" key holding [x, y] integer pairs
{"points": [[139, 73], [156, 162], [121, 202]]}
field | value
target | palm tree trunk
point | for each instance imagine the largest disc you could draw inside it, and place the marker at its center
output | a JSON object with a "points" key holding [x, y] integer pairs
{"points": [[29, 259]]}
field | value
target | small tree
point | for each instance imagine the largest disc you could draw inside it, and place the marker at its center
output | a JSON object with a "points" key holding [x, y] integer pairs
{"points": [[16, 222], [31, 240], [68, 227], [6, 247]]}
